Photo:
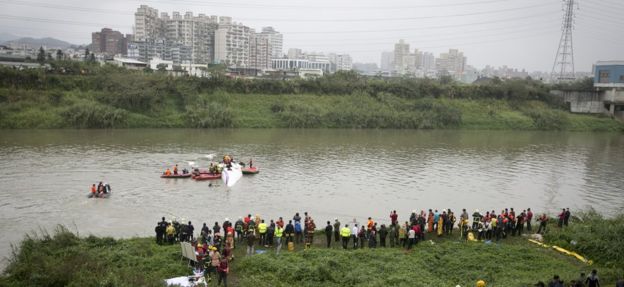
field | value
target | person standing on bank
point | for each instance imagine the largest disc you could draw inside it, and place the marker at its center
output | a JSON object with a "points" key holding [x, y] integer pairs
{"points": [[345, 233], [329, 229], [336, 229], [566, 217], [529, 217]]}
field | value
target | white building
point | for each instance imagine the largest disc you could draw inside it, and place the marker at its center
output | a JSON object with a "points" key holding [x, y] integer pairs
{"points": [[156, 63], [341, 62], [298, 64], [147, 24], [428, 63], [401, 57], [276, 40], [452, 63], [232, 42], [387, 61], [131, 64], [260, 51], [196, 32]]}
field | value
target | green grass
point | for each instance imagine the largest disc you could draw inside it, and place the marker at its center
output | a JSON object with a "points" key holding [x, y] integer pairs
{"points": [[95, 109], [595, 236], [446, 263], [64, 259]]}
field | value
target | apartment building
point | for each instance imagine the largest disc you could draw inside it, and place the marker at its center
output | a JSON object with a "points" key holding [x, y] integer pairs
{"points": [[276, 40], [340, 62], [452, 63], [110, 42], [232, 43]]}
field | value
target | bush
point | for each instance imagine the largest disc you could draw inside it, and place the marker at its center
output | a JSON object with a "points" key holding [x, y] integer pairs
{"points": [[548, 119], [93, 115], [598, 238], [209, 115]]}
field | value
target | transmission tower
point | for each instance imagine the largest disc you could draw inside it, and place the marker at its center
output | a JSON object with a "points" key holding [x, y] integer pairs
{"points": [[563, 68]]}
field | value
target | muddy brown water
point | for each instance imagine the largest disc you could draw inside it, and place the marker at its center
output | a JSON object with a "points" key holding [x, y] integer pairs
{"points": [[347, 174]]}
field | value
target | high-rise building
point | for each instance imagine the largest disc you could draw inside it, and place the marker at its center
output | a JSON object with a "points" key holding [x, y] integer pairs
{"points": [[276, 40], [147, 24], [186, 38], [194, 32], [451, 63], [387, 61], [109, 42], [232, 43], [401, 57], [428, 62], [260, 49], [418, 60], [162, 49], [340, 62]]}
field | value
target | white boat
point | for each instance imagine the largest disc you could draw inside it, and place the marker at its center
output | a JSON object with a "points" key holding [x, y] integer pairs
{"points": [[231, 175]]}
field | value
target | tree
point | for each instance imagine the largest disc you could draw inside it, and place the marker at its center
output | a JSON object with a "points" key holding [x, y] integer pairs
{"points": [[92, 58], [41, 56], [161, 67], [86, 56], [49, 57], [59, 55]]}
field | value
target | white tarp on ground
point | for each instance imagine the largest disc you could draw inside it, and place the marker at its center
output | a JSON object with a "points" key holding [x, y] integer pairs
{"points": [[184, 281]]}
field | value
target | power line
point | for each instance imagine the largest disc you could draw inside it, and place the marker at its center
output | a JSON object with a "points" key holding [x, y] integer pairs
{"points": [[81, 23], [58, 21], [425, 27], [468, 43], [271, 6], [402, 18], [107, 11], [446, 38]]}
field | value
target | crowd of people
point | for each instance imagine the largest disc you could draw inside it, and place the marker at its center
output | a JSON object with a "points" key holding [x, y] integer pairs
{"points": [[214, 244]]}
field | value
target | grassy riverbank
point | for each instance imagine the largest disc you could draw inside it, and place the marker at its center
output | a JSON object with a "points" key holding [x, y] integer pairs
{"points": [[64, 259], [109, 97]]}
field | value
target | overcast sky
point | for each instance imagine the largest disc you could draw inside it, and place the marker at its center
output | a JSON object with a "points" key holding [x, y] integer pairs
{"points": [[517, 33]]}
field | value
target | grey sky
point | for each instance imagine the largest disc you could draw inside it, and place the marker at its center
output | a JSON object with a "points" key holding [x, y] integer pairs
{"points": [[516, 33]]}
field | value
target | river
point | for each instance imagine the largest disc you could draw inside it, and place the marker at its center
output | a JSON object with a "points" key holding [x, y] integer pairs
{"points": [[329, 173]]}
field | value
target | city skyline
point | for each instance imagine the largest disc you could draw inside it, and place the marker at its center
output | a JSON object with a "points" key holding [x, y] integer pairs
{"points": [[520, 34]]}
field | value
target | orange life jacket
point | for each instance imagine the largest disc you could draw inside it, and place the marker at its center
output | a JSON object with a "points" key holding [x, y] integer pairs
{"points": [[93, 189]]}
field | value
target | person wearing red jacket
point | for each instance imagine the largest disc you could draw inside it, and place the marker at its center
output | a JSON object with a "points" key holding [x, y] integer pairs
{"points": [[418, 233], [561, 217], [529, 217], [542, 220], [394, 218], [223, 269]]}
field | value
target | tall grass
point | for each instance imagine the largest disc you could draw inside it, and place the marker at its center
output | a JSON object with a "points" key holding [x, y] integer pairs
{"points": [[64, 259], [594, 236], [76, 95], [446, 263]]}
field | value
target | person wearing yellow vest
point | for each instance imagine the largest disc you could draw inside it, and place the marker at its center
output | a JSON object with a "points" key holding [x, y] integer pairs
{"points": [[262, 229], [278, 238], [170, 230], [345, 233]]}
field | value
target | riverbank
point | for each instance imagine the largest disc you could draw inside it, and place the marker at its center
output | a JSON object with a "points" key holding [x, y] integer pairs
{"points": [[108, 97], [64, 259], [77, 110]]}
